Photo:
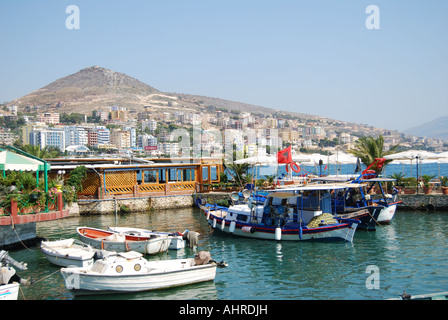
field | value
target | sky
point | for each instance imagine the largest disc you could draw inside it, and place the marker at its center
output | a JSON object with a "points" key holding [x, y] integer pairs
{"points": [[311, 56]]}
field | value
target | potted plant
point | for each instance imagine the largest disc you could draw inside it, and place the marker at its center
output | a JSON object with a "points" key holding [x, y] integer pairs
{"points": [[399, 183], [444, 184], [426, 187]]}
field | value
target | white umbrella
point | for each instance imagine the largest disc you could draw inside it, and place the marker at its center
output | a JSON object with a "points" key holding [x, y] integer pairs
{"points": [[407, 157]]}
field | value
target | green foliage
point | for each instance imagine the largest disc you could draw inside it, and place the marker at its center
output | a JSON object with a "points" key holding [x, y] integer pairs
{"points": [[72, 118], [398, 176], [368, 149], [240, 173], [426, 179], [76, 178], [44, 153], [444, 181]]}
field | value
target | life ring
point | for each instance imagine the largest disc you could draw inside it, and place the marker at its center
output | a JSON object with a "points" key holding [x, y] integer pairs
{"points": [[297, 168]]}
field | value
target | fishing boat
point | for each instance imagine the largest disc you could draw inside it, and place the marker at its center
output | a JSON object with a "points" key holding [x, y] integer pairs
{"points": [[367, 190], [299, 213], [176, 238], [112, 241], [67, 252], [130, 272]]}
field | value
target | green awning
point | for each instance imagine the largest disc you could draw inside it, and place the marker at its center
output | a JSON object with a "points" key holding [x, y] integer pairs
{"points": [[16, 162]]}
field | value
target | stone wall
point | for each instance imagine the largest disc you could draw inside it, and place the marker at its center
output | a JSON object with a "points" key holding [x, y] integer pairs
{"points": [[423, 201], [110, 206], [16, 236]]}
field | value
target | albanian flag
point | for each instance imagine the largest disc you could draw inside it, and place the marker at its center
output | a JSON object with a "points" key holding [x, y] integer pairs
{"points": [[284, 156]]}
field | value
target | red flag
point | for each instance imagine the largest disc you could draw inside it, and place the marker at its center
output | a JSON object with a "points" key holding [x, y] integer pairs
{"points": [[284, 156]]}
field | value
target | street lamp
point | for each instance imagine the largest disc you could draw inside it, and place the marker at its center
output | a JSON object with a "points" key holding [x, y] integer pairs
{"points": [[416, 159]]}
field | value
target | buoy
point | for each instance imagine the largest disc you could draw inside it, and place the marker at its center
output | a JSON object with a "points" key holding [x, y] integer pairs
{"points": [[214, 223], [208, 214], [247, 229], [223, 224], [278, 233], [232, 226]]}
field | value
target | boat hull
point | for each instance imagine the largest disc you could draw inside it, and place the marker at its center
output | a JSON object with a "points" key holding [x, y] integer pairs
{"points": [[368, 217], [63, 261], [143, 245], [335, 232], [387, 214], [9, 291], [64, 256], [84, 283], [175, 243]]}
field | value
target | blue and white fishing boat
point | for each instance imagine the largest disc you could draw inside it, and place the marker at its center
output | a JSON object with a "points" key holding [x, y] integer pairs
{"points": [[367, 191], [291, 214]]}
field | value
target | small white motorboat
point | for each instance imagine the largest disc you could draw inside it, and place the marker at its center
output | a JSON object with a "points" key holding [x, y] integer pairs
{"points": [[9, 291], [9, 281], [177, 239], [130, 272], [111, 241], [67, 252]]}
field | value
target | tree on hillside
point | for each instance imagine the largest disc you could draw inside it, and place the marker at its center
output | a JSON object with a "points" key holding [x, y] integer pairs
{"points": [[367, 149]]}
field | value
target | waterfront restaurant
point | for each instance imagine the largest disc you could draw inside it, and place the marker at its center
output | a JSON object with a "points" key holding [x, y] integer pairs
{"points": [[125, 178]]}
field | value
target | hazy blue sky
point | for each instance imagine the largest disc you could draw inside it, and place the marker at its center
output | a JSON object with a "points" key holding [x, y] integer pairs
{"points": [[308, 56]]}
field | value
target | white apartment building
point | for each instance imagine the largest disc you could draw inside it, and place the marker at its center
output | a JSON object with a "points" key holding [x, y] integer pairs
{"points": [[151, 124]]}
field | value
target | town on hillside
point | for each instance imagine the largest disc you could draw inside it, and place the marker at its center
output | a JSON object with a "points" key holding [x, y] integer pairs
{"points": [[155, 132]]}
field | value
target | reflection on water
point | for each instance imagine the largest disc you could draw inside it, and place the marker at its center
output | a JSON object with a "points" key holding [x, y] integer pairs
{"points": [[410, 253]]}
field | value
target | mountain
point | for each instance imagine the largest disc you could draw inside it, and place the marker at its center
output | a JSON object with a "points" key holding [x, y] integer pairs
{"points": [[437, 128], [94, 87], [88, 87]]}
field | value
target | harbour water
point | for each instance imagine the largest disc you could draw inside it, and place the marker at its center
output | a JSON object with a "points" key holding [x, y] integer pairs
{"points": [[408, 170], [408, 254]]}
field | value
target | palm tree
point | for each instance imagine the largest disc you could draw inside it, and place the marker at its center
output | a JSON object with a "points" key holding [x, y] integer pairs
{"points": [[44, 153], [367, 149], [240, 173]]}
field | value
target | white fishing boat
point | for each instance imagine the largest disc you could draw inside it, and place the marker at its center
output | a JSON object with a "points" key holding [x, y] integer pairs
{"points": [[130, 272], [176, 239], [9, 291], [111, 241], [67, 252]]}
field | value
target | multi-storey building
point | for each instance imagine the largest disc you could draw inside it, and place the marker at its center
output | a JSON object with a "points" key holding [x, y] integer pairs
{"points": [[49, 118], [121, 139]]}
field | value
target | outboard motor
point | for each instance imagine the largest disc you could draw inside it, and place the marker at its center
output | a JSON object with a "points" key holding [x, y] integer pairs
{"points": [[6, 260]]}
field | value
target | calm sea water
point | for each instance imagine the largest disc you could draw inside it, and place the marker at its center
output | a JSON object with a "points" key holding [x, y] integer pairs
{"points": [[408, 170], [410, 254]]}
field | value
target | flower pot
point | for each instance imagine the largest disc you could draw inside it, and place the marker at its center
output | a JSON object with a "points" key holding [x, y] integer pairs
{"points": [[409, 191], [26, 210], [427, 190], [444, 190]]}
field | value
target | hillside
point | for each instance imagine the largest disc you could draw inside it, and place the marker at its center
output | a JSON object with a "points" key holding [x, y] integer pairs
{"points": [[95, 87], [437, 128]]}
